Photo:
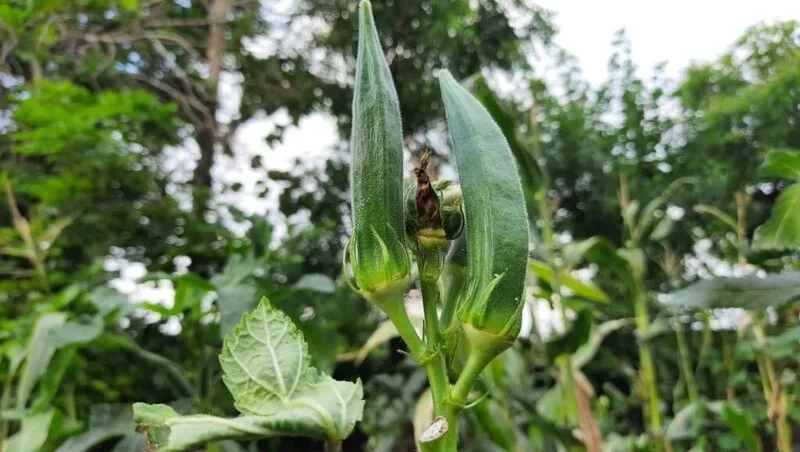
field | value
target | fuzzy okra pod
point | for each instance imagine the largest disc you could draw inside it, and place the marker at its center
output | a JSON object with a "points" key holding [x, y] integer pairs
{"points": [[496, 223], [378, 256]]}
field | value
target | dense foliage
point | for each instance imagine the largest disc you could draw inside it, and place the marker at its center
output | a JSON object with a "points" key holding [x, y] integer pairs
{"points": [[662, 286]]}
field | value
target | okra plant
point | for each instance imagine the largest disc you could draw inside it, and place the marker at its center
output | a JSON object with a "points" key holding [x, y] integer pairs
{"points": [[482, 275], [472, 237]]}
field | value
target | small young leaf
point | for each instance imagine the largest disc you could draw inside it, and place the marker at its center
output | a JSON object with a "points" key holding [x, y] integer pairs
{"points": [[782, 230], [265, 365], [749, 292]]}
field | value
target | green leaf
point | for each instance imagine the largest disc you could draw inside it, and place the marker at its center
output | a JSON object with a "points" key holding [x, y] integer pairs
{"points": [[782, 229], [316, 282], [129, 5], [173, 371], [682, 425], [741, 427], [749, 292], [531, 173], [39, 352], [718, 214], [133, 442], [189, 292], [32, 434], [106, 422], [580, 288], [385, 332], [109, 301], [494, 207], [74, 332], [662, 229], [784, 163], [265, 365], [236, 293], [586, 352], [569, 342]]}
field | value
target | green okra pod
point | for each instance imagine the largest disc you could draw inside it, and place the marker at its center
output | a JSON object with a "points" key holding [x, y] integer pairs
{"points": [[496, 220], [378, 256]]}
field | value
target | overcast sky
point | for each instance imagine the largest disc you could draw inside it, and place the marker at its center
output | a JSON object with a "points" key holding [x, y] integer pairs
{"points": [[675, 31]]}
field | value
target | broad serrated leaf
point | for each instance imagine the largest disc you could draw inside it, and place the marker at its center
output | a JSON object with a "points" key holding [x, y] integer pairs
{"points": [[782, 229], [265, 365], [749, 292], [783, 163], [580, 288]]}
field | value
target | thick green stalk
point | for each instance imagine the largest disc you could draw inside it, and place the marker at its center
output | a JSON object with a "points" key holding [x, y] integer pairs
{"points": [[646, 361]]}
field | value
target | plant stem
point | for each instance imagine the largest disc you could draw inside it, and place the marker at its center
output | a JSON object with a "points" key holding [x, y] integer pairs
{"points": [[705, 345], [646, 361], [396, 311], [434, 360], [729, 363], [333, 445], [430, 299], [777, 399], [588, 424], [686, 365]]}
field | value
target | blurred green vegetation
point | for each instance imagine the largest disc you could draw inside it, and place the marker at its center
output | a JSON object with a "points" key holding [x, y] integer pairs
{"points": [[99, 97]]}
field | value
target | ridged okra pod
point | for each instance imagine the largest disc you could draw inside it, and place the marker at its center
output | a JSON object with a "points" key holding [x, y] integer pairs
{"points": [[496, 223], [378, 257]]}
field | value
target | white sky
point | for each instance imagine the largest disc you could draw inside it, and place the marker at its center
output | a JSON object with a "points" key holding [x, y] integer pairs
{"points": [[675, 31]]}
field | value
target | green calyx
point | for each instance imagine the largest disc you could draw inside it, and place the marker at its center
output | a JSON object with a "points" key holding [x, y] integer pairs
{"points": [[494, 210], [376, 253], [377, 276]]}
